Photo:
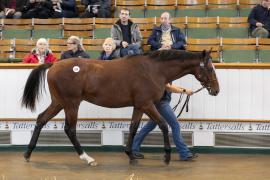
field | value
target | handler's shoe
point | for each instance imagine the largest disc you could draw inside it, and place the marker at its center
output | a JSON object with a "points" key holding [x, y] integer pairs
{"points": [[190, 157], [138, 156]]}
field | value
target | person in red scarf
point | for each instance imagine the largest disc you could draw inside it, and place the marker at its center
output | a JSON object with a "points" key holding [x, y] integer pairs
{"points": [[40, 54], [11, 8]]}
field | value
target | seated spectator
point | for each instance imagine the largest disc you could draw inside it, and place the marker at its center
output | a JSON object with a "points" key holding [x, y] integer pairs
{"points": [[127, 35], [109, 52], [64, 8], [166, 36], [75, 49], [96, 8], [38, 9], [259, 20], [40, 54], [2, 13], [11, 8]]}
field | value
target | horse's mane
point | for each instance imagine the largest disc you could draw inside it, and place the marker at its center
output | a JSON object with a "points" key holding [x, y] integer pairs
{"points": [[166, 55]]}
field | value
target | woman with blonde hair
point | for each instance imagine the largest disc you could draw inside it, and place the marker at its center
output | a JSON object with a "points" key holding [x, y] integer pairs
{"points": [[40, 54], [109, 52], [75, 49]]}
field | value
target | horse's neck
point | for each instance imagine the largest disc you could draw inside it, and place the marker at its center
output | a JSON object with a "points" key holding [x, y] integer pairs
{"points": [[175, 69]]}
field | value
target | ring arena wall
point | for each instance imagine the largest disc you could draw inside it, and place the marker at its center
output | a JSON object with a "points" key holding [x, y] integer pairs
{"points": [[238, 117]]}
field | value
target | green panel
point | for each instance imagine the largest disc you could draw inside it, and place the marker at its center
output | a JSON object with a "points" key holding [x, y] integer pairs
{"points": [[8, 60], [16, 33], [4, 60], [245, 12], [222, 12], [234, 32], [47, 33], [157, 13], [94, 54], [202, 33], [238, 56], [264, 55], [190, 13], [102, 33]]}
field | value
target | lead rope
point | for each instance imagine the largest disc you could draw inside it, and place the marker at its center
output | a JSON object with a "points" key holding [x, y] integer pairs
{"points": [[186, 102]]}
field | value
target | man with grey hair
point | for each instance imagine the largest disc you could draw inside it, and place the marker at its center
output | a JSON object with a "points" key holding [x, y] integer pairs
{"points": [[259, 20], [166, 36]]}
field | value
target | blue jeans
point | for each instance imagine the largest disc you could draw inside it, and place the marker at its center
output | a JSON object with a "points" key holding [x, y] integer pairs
{"points": [[132, 49], [167, 113]]}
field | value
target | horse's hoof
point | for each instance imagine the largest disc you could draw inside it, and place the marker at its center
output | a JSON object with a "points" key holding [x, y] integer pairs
{"points": [[133, 161], [93, 163], [26, 157], [167, 162], [127, 152], [167, 159]]}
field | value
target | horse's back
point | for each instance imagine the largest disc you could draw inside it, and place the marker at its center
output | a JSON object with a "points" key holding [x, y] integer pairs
{"points": [[105, 83]]}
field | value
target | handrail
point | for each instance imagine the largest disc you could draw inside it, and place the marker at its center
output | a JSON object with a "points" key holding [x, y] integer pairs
{"points": [[217, 66], [144, 119]]}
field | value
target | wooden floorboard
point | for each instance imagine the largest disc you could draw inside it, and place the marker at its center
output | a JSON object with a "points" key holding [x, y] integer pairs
{"points": [[115, 166]]}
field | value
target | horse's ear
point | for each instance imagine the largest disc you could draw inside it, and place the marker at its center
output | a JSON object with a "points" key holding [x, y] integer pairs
{"points": [[206, 53], [210, 50]]}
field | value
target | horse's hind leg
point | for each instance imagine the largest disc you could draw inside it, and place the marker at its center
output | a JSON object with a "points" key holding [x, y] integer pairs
{"points": [[42, 119], [70, 130], [152, 112], [136, 119]]}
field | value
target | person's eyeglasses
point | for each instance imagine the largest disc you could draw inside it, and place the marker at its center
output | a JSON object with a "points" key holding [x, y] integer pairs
{"points": [[71, 43]]}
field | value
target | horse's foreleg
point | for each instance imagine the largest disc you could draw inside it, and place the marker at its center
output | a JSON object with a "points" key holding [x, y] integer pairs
{"points": [[152, 112], [42, 119], [136, 119], [70, 130]]}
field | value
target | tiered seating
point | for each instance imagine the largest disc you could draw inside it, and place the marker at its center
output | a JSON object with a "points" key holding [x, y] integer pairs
{"points": [[201, 27], [102, 27], [154, 8], [181, 8], [6, 50], [217, 24], [190, 8], [49, 28], [233, 27], [22, 47], [264, 50], [197, 45], [16, 28], [239, 50], [136, 7], [78, 27], [223, 49], [225, 8], [245, 6], [93, 46], [57, 46]]}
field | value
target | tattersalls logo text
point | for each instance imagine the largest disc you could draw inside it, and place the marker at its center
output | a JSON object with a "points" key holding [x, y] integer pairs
{"points": [[225, 126]]}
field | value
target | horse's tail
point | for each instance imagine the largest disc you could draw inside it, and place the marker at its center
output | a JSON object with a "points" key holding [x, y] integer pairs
{"points": [[32, 87]]}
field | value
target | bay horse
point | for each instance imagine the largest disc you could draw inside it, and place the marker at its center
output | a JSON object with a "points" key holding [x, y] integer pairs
{"points": [[137, 81]]}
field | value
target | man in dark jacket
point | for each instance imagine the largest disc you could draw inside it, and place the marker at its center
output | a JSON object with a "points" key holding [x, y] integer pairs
{"points": [[259, 20], [96, 8], [38, 9], [64, 8], [166, 36], [11, 8]]}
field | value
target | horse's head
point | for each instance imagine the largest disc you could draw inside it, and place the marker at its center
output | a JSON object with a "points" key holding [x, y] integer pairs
{"points": [[206, 74]]}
